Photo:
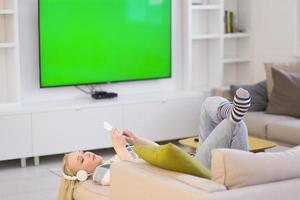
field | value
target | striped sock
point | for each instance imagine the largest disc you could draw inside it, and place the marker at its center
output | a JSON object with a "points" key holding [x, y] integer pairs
{"points": [[241, 104], [236, 110]]}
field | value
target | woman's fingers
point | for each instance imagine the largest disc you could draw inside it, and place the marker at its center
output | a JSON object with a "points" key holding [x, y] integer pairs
{"points": [[114, 131], [127, 132], [129, 139], [124, 136]]}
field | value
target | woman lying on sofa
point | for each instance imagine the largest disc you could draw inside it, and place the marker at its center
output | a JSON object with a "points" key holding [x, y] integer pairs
{"points": [[221, 126], [90, 163]]}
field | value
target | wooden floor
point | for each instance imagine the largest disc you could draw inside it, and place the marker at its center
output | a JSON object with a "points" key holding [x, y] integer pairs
{"points": [[37, 182]]}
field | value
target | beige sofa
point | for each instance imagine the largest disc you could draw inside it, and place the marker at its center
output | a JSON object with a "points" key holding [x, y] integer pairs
{"points": [[284, 130], [141, 181]]}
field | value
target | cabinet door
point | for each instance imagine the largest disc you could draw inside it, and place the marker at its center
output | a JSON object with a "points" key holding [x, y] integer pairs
{"points": [[70, 130], [145, 119], [183, 117], [15, 137], [164, 120]]}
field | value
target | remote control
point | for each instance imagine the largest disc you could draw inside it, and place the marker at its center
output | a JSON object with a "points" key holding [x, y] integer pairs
{"points": [[107, 126]]}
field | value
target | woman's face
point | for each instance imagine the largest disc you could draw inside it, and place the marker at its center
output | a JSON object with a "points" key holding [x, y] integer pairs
{"points": [[88, 161]]}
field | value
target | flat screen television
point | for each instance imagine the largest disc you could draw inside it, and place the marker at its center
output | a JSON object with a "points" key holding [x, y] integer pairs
{"points": [[99, 41]]}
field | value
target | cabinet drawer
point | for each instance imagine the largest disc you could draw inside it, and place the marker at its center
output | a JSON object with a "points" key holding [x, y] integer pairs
{"points": [[69, 130], [15, 133]]}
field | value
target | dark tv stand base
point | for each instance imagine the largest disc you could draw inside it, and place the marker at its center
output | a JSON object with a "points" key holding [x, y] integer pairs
{"points": [[103, 95]]}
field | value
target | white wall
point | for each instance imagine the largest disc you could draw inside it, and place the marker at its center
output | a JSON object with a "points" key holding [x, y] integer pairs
{"points": [[29, 54], [273, 33]]}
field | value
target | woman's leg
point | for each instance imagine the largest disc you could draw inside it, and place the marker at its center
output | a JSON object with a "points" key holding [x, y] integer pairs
{"points": [[226, 135], [209, 117], [221, 125]]}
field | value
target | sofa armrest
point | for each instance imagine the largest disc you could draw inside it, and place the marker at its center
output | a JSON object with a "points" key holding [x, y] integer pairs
{"points": [[223, 92], [136, 180]]}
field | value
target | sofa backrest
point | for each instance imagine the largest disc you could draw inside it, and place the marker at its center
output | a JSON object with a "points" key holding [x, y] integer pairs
{"points": [[236, 169]]}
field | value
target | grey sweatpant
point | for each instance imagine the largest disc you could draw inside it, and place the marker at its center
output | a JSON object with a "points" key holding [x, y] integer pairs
{"points": [[218, 133]]}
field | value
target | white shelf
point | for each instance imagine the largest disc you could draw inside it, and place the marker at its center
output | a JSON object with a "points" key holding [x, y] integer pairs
{"points": [[6, 11], [7, 45], [205, 36], [206, 7], [9, 57], [236, 60], [211, 57], [236, 35]]}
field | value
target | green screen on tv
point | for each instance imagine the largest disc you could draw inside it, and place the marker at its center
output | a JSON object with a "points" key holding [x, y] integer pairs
{"points": [[98, 41]]}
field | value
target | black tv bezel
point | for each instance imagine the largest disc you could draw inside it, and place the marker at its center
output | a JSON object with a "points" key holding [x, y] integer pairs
{"points": [[106, 82]]}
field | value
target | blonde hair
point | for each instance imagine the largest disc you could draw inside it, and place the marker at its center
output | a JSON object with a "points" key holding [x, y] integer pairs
{"points": [[67, 187]]}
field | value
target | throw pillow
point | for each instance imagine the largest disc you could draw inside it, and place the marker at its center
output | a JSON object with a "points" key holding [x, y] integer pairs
{"points": [[290, 67], [285, 97], [236, 169], [173, 158], [258, 92]]}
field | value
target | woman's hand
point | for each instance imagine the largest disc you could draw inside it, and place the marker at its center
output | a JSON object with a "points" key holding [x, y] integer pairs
{"points": [[118, 140], [133, 139], [130, 137]]}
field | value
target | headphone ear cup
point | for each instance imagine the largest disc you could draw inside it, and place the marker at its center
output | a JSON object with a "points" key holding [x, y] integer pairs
{"points": [[82, 175]]}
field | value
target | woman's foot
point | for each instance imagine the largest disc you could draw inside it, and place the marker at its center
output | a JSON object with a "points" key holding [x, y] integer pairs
{"points": [[241, 105], [236, 110]]}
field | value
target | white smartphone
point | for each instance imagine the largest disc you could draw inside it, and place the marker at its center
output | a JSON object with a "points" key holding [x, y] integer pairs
{"points": [[107, 126]]}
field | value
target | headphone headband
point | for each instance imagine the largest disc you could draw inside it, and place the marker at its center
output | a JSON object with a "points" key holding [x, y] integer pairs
{"points": [[81, 175]]}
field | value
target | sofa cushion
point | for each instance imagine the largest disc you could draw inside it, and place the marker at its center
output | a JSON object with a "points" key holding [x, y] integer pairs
{"points": [[257, 122], [91, 191], [139, 166], [285, 95], [287, 131], [290, 67], [130, 181], [193, 181], [173, 158], [236, 169]]}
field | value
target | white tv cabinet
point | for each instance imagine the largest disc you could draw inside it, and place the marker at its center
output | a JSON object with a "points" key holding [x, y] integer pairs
{"points": [[47, 128]]}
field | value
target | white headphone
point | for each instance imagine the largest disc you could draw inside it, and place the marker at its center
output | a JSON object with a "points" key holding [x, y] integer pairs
{"points": [[81, 175]]}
